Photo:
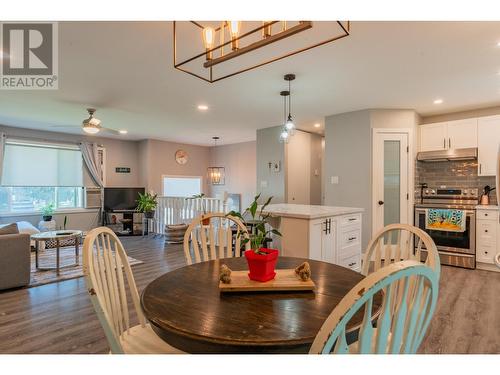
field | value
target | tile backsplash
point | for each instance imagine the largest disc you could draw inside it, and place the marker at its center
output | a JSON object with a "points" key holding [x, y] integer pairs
{"points": [[452, 174]]}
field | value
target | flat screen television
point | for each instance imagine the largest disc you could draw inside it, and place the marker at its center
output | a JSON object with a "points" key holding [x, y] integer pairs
{"points": [[121, 198]]}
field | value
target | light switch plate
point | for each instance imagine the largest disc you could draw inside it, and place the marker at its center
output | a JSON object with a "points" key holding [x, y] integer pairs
{"points": [[263, 184], [334, 180]]}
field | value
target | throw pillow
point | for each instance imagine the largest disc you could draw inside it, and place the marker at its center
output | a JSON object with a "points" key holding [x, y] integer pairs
{"points": [[9, 229]]}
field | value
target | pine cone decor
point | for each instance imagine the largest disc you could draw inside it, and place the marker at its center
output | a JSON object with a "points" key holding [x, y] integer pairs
{"points": [[304, 271], [225, 274]]}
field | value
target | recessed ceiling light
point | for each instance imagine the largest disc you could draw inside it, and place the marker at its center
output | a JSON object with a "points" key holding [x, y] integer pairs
{"points": [[317, 125], [203, 107], [123, 131], [438, 101], [498, 44]]}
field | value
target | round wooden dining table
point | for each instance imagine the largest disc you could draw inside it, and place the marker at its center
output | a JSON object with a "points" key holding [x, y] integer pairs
{"points": [[187, 310]]}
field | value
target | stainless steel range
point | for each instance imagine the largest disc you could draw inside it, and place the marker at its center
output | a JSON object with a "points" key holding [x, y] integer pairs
{"points": [[455, 248]]}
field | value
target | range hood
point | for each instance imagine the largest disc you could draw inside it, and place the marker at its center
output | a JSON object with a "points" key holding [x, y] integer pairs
{"points": [[447, 155]]}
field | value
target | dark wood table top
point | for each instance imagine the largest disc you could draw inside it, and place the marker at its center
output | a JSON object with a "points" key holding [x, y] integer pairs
{"points": [[186, 309]]}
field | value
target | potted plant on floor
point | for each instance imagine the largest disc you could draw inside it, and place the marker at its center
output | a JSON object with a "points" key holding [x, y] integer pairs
{"points": [[201, 196], [261, 261], [146, 204], [47, 212]]}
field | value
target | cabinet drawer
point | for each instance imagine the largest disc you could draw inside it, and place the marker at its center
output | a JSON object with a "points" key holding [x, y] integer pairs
{"points": [[350, 220], [353, 262], [486, 231], [350, 237], [348, 251], [485, 254], [487, 215]]}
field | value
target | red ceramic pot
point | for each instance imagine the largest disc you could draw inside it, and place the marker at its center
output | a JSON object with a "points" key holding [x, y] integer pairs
{"points": [[261, 266]]}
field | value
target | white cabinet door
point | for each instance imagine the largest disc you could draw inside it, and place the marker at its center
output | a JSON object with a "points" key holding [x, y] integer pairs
{"points": [[328, 240], [462, 133], [316, 232], [488, 143], [433, 137]]}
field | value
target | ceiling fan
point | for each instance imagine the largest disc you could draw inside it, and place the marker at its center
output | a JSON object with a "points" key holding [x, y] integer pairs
{"points": [[92, 125]]}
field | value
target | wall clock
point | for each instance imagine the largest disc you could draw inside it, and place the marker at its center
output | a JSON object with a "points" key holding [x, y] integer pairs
{"points": [[181, 157]]}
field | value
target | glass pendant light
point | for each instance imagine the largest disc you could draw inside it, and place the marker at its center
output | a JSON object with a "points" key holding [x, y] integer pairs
{"points": [[208, 34], [284, 134], [289, 125]]}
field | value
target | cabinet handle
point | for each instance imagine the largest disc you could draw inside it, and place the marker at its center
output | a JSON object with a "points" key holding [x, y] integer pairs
{"points": [[486, 230], [486, 252], [480, 168], [485, 214], [449, 142], [352, 219], [351, 238], [351, 264], [444, 142]]}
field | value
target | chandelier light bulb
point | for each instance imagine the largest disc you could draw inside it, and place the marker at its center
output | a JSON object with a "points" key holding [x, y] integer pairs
{"points": [[234, 31], [208, 40]]}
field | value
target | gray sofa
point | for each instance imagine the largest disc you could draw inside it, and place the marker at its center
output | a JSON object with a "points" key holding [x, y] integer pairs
{"points": [[15, 260]]}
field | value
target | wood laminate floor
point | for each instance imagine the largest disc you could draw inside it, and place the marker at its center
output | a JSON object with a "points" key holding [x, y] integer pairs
{"points": [[59, 318]]}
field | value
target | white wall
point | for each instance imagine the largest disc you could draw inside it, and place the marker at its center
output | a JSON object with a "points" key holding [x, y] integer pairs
{"points": [[239, 161], [298, 168]]}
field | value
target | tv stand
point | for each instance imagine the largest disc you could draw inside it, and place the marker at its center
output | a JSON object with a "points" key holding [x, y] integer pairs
{"points": [[123, 222]]}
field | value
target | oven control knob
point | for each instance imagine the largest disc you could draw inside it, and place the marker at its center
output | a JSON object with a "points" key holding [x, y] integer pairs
{"points": [[433, 191], [465, 192], [427, 191]]}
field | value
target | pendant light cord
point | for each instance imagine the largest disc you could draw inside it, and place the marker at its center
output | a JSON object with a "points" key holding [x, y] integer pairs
{"points": [[289, 98]]}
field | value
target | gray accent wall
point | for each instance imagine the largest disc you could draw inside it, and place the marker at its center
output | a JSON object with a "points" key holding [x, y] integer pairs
{"points": [[348, 156], [270, 150]]}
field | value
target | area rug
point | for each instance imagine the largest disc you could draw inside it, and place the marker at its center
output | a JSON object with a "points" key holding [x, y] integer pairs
{"points": [[47, 258]]}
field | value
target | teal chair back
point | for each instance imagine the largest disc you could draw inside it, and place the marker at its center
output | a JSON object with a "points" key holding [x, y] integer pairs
{"points": [[410, 286]]}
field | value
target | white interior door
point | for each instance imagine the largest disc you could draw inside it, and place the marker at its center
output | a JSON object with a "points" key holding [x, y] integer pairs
{"points": [[390, 179]]}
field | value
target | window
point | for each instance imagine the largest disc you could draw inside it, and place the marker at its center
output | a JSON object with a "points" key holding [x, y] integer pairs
{"points": [[179, 186], [38, 174]]}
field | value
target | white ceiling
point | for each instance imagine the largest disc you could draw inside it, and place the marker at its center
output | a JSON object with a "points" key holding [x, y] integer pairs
{"points": [[125, 70]]}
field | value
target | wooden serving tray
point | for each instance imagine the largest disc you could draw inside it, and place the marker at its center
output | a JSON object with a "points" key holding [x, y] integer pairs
{"points": [[285, 280]]}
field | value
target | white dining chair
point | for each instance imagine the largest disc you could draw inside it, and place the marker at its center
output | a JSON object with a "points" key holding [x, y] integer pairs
{"points": [[387, 331], [396, 242], [107, 274], [211, 237]]}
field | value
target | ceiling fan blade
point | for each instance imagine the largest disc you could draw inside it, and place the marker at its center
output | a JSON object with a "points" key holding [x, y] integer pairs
{"points": [[110, 131], [65, 126]]}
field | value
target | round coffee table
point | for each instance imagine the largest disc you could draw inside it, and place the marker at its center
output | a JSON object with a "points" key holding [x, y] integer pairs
{"points": [[58, 235]]}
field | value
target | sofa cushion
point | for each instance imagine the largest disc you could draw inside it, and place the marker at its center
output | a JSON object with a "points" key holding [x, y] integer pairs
{"points": [[9, 229]]}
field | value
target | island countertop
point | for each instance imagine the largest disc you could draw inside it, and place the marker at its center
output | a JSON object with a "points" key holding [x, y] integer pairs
{"points": [[306, 211]]}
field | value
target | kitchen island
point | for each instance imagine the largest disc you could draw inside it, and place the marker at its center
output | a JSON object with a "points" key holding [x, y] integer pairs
{"points": [[327, 233]]}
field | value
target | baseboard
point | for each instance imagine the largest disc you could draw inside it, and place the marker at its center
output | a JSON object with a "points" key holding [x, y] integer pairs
{"points": [[487, 267]]}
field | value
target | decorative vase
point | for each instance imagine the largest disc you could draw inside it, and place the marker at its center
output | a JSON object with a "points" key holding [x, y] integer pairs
{"points": [[47, 217], [149, 214], [261, 266]]}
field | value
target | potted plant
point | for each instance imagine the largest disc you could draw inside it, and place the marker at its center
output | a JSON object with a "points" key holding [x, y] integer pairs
{"points": [[146, 204], [47, 212], [261, 261], [201, 196]]}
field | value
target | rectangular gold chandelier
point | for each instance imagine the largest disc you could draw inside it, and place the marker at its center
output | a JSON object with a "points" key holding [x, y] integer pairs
{"points": [[215, 50]]}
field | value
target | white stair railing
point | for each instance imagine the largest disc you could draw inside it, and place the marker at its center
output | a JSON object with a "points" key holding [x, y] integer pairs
{"points": [[179, 210]]}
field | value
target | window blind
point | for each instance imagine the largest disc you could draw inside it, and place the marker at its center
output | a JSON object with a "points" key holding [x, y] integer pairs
{"points": [[41, 165]]}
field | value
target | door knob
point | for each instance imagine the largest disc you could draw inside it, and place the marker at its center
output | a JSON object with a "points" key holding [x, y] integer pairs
{"points": [[380, 203]]}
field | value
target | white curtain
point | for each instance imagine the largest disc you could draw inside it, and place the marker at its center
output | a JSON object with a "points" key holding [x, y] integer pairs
{"points": [[90, 156], [2, 153]]}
